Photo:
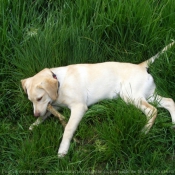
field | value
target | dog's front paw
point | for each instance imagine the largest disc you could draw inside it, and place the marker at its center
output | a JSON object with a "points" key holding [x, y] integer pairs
{"points": [[32, 126], [61, 155], [63, 149]]}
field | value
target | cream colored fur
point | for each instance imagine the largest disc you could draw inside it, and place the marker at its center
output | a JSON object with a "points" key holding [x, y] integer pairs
{"points": [[81, 85]]}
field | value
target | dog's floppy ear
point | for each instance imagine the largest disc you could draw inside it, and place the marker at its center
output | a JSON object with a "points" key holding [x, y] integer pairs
{"points": [[50, 85], [23, 82]]}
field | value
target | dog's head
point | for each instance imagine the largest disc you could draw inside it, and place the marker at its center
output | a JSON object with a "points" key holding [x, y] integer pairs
{"points": [[41, 90]]}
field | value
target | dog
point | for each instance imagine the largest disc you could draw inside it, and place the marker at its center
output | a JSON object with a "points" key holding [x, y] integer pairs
{"points": [[81, 85]]}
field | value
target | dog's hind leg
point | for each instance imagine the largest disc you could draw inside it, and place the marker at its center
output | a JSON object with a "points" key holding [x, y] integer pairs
{"points": [[166, 103], [150, 112]]}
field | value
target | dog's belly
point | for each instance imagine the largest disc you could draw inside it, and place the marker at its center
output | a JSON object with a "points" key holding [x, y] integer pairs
{"points": [[106, 90], [91, 98]]}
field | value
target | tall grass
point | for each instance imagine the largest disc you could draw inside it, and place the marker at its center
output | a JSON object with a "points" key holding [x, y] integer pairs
{"points": [[38, 34]]}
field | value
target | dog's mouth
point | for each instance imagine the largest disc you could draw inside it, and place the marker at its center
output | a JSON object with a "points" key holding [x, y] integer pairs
{"points": [[43, 114]]}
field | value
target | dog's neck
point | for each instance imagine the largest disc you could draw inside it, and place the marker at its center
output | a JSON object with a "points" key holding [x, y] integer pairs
{"points": [[55, 77]]}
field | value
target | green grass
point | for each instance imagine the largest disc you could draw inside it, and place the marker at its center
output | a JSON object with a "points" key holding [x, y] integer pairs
{"points": [[39, 34]]}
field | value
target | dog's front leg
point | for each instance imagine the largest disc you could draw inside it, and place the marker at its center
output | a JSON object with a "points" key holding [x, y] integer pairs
{"points": [[77, 112], [39, 120]]}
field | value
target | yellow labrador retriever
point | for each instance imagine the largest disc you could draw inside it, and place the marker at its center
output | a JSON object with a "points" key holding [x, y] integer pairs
{"points": [[80, 85]]}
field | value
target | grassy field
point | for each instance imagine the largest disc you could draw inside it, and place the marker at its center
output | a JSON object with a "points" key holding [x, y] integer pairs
{"points": [[49, 33]]}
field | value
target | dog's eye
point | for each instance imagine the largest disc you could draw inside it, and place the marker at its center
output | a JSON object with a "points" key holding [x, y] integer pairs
{"points": [[39, 99]]}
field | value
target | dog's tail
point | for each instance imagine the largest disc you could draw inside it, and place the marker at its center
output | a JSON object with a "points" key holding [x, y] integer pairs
{"points": [[152, 59]]}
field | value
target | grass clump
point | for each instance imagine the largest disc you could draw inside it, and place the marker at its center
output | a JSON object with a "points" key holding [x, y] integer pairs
{"points": [[39, 34]]}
